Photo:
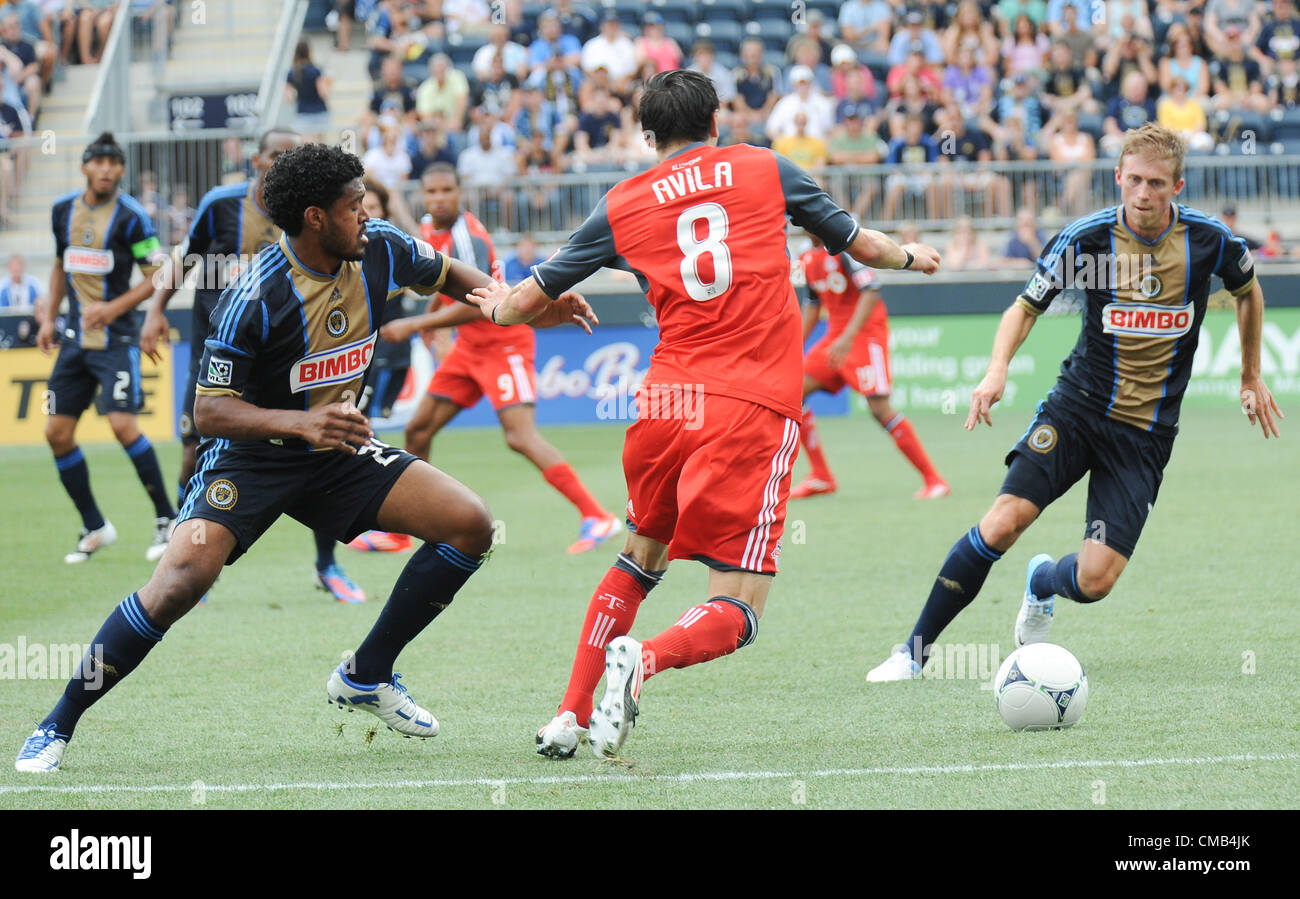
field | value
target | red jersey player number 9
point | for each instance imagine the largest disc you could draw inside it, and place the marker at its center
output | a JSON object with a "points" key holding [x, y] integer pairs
{"points": [[715, 217]]}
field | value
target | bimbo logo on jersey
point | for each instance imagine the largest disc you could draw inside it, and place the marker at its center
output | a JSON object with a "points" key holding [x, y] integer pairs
{"points": [[333, 366], [1145, 320], [87, 261]]}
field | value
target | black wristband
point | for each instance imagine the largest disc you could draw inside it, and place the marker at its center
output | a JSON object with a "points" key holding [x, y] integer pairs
{"points": [[910, 259], [494, 313]]}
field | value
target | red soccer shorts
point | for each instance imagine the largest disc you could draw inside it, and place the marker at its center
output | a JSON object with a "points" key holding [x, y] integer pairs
{"points": [[866, 369], [504, 374], [712, 483]]}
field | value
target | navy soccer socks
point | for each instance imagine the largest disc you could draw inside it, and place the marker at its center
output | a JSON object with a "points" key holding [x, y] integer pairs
{"points": [[959, 581], [75, 476], [146, 466]]}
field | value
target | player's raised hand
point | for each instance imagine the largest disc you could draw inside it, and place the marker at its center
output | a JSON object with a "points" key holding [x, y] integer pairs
{"points": [[489, 298], [925, 258], [155, 331], [338, 426], [571, 308], [397, 331], [988, 392], [1258, 405]]}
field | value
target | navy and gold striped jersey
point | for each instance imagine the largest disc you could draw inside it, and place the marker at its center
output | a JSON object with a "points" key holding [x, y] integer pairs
{"points": [[229, 229], [98, 246], [1143, 310], [286, 337]]}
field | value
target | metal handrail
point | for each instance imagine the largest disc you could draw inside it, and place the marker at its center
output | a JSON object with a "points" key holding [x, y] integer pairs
{"points": [[109, 107], [270, 93]]}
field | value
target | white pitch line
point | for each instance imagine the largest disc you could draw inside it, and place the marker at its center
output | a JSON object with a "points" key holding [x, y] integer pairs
{"points": [[687, 777]]}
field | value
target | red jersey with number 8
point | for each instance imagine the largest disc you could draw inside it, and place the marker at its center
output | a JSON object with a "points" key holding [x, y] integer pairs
{"points": [[705, 233]]}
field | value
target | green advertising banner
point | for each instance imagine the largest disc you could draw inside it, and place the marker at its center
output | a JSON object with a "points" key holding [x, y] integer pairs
{"points": [[937, 360]]}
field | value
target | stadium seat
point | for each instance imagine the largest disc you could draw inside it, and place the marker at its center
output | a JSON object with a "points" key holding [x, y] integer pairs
{"points": [[774, 58], [769, 10], [1286, 124], [828, 8], [722, 10], [671, 10], [729, 61], [726, 35], [684, 34], [775, 33]]}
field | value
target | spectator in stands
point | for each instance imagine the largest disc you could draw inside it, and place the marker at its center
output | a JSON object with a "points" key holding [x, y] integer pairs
{"points": [[758, 87], [911, 101], [808, 152], [1069, 147], [1237, 80], [519, 263], [392, 95], [844, 63], [1128, 55], [1021, 103], [855, 142], [704, 59], [855, 98], [577, 19], [914, 151], [1132, 109], [806, 52], [1279, 37], [514, 57], [1089, 15], [177, 217], [1228, 216], [1006, 12], [469, 18], [1183, 63], [1283, 86], [1024, 51], [94, 22], [554, 50], [497, 92], [149, 196], [1128, 17], [431, 145], [1164, 15], [914, 66], [866, 25], [344, 17], [503, 133], [1179, 112], [1230, 21], [968, 84], [1025, 243], [13, 112], [58, 26], [655, 46], [539, 116], [964, 157], [814, 30], [967, 252], [309, 89], [805, 98], [612, 49], [389, 163], [488, 169], [396, 30], [1065, 86], [539, 203], [906, 38], [445, 92], [38, 63], [596, 143], [1081, 37], [970, 30], [20, 291]]}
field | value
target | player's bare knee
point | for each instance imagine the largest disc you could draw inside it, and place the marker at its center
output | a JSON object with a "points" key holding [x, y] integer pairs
{"points": [[474, 526], [519, 440], [1096, 585], [59, 437]]}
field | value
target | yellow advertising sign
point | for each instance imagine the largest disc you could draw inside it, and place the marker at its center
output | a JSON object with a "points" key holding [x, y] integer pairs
{"points": [[24, 402]]}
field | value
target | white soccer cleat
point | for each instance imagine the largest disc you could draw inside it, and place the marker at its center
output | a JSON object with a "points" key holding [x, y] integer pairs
{"points": [[162, 532], [614, 717], [91, 541], [559, 739], [42, 752], [1035, 619], [389, 702], [899, 666]]}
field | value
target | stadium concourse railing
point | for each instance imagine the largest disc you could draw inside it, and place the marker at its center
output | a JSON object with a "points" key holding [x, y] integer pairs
{"points": [[109, 105], [170, 171]]}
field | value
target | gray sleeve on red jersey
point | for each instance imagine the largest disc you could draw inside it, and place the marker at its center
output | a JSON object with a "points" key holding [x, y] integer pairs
{"points": [[809, 207], [864, 277], [591, 247]]}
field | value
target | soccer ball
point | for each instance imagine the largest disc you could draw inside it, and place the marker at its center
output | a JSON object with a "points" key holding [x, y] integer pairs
{"points": [[1041, 687]]}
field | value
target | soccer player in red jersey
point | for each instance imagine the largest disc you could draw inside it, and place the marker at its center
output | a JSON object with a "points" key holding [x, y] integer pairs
{"points": [[708, 459], [855, 351], [486, 360]]}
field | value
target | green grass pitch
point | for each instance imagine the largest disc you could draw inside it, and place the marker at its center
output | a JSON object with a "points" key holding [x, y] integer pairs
{"points": [[1192, 659]]}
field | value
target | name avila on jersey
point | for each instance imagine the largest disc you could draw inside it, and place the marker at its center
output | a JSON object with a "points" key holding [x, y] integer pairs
{"points": [[334, 366], [687, 179]]}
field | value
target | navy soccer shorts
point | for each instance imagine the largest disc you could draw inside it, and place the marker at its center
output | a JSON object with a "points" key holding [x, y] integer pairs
{"points": [[78, 372]]}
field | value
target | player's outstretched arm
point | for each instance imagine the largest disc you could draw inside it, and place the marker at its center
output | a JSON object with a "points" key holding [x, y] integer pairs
{"points": [[879, 251], [1256, 400], [1012, 331], [47, 308], [527, 303], [400, 330], [338, 426]]}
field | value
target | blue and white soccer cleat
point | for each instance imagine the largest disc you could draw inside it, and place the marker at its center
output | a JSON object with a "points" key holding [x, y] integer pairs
{"points": [[595, 531], [1035, 619], [42, 752], [92, 541], [339, 585], [389, 702], [615, 716], [560, 738], [899, 666]]}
